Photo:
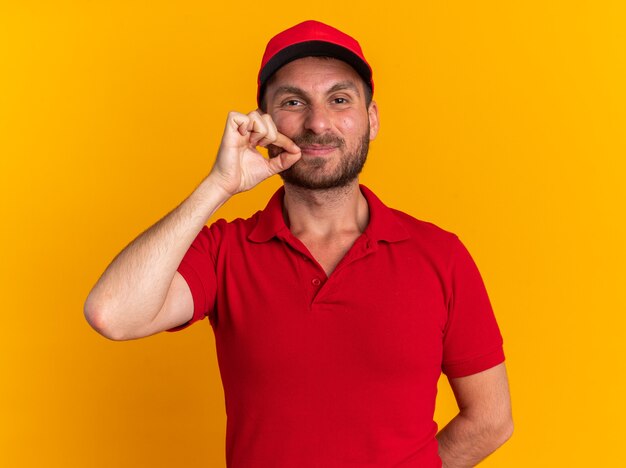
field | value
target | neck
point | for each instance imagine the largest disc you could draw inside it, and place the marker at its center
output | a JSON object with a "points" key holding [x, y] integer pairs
{"points": [[325, 213]]}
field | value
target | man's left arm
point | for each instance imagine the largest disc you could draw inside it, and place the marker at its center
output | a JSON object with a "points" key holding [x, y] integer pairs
{"points": [[484, 421]]}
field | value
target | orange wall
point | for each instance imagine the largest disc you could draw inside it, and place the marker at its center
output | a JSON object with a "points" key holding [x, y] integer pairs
{"points": [[501, 121]]}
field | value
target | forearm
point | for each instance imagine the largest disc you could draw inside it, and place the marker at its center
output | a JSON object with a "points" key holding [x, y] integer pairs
{"points": [[134, 286], [133, 289], [465, 441]]}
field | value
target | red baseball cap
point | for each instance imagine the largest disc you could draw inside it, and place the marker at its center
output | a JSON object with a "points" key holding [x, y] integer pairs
{"points": [[311, 39]]}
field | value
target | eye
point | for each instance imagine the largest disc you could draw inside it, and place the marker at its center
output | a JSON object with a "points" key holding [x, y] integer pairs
{"points": [[291, 103], [340, 100]]}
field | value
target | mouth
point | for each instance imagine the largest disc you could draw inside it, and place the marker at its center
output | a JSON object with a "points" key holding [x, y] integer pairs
{"points": [[317, 150]]}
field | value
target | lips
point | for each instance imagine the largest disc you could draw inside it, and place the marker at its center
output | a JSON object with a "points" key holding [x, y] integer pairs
{"points": [[317, 150]]}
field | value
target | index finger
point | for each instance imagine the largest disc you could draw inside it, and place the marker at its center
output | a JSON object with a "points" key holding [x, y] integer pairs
{"points": [[286, 143]]}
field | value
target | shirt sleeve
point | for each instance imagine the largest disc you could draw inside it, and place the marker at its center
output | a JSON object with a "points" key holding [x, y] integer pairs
{"points": [[472, 341], [198, 269]]}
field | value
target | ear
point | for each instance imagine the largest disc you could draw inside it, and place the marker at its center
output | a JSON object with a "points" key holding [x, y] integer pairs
{"points": [[372, 113]]}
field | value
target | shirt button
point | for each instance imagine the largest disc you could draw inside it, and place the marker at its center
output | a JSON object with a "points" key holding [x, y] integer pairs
{"points": [[316, 281]]}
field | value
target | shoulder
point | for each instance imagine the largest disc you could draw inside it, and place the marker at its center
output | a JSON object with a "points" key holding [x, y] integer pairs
{"points": [[443, 248], [238, 228], [258, 228], [410, 234], [426, 232], [221, 233]]}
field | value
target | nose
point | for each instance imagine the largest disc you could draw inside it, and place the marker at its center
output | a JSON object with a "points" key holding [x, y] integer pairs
{"points": [[317, 119]]}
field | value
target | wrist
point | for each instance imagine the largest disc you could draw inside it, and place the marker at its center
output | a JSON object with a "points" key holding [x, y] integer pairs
{"points": [[215, 184]]}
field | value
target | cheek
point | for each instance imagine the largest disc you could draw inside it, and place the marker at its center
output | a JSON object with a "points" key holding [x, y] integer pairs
{"points": [[352, 128], [352, 121], [287, 124], [347, 124]]}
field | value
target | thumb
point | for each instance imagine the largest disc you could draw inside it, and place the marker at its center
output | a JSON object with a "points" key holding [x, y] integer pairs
{"points": [[284, 161]]}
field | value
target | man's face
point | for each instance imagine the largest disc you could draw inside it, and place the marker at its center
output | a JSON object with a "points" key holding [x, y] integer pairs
{"points": [[320, 104]]}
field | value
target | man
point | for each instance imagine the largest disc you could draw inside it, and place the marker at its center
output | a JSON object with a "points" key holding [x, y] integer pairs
{"points": [[334, 315]]}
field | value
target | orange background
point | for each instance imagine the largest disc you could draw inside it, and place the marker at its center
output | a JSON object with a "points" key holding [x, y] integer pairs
{"points": [[503, 122]]}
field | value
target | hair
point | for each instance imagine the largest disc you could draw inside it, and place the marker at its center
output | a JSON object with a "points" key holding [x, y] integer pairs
{"points": [[367, 89]]}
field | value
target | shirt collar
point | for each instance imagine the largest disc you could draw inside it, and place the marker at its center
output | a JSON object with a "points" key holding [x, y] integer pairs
{"points": [[270, 221], [384, 224]]}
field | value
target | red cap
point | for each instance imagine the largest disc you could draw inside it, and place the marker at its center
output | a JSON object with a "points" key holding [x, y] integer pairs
{"points": [[311, 39]]}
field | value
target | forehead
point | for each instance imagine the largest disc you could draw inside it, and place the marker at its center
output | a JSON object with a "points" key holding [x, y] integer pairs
{"points": [[314, 74]]}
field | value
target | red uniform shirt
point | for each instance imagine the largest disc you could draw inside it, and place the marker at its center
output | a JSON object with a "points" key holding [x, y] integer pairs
{"points": [[341, 371]]}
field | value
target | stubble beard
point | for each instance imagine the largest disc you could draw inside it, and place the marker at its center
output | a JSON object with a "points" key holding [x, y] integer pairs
{"points": [[310, 174]]}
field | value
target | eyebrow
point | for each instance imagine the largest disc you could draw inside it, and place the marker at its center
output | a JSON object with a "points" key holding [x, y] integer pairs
{"points": [[342, 85], [287, 89]]}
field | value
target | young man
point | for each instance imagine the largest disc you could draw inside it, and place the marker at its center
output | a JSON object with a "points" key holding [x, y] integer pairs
{"points": [[334, 315]]}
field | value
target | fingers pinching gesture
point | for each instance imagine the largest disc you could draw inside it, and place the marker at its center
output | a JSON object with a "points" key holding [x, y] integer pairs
{"points": [[239, 166]]}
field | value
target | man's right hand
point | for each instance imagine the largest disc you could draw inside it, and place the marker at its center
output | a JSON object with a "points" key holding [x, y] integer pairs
{"points": [[141, 293], [239, 166]]}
